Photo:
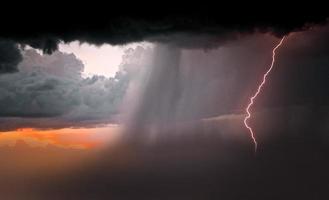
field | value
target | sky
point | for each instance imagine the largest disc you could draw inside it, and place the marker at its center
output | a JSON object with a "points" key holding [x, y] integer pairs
{"points": [[98, 60], [152, 107]]}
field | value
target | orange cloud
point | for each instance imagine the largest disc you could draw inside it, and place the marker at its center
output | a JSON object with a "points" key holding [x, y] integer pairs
{"points": [[80, 138]]}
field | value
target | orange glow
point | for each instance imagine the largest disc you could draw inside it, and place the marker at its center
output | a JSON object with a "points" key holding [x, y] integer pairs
{"points": [[78, 138], [252, 135]]}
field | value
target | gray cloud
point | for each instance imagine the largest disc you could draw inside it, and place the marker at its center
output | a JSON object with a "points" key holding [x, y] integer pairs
{"points": [[51, 87], [10, 56], [58, 64]]}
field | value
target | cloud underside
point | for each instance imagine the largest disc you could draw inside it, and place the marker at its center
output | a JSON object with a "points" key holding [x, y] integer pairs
{"points": [[179, 84], [184, 30]]}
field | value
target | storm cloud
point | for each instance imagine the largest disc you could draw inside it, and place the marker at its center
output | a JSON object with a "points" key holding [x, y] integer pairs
{"points": [[51, 90], [202, 28], [10, 56]]}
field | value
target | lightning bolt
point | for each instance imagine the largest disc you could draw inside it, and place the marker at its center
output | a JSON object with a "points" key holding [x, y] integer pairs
{"points": [[251, 102]]}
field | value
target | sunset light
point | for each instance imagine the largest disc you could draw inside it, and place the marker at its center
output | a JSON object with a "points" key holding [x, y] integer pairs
{"points": [[76, 138]]}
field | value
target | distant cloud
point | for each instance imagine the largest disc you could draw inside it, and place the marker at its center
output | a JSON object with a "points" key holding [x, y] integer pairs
{"points": [[51, 86], [10, 56]]}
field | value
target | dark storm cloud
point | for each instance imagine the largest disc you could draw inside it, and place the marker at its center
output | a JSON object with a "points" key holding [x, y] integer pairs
{"points": [[302, 71], [206, 28], [194, 29], [10, 56]]}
